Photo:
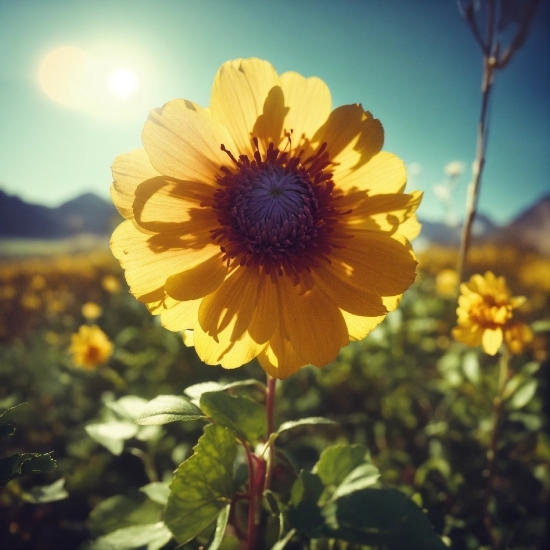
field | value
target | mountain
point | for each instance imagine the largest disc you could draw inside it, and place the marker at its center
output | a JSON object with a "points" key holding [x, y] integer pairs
{"points": [[85, 214], [529, 231]]}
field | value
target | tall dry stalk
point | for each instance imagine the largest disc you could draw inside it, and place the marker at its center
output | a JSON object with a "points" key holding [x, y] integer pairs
{"points": [[497, 15]]}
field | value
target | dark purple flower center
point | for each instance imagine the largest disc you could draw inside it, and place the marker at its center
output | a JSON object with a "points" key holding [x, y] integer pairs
{"points": [[277, 212]]}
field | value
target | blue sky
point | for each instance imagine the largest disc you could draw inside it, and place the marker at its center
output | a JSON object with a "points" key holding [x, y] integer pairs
{"points": [[412, 63]]}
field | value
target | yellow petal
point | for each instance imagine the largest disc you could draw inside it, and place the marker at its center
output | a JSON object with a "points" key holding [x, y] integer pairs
{"points": [[374, 262], [163, 203], [266, 313], [279, 359], [180, 315], [183, 141], [380, 212], [352, 136], [268, 128], [309, 105], [231, 305], [383, 173], [129, 170], [313, 323], [197, 281], [150, 259], [469, 335], [411, 228], [491, 340], [239, 92]]}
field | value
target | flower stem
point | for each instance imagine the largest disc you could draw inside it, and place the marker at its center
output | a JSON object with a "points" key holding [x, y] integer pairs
{"points": [[251, 537], [269, 410], [492, 450]]}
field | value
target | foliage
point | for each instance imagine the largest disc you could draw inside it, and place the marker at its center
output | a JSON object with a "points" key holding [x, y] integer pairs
{"points": [[420, 404]]}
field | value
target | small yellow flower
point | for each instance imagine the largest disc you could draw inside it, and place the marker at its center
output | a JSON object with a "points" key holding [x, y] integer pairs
{"points": [[110, 283], [269, 224], [91, 311], [90, 347], [446, 283], [485, 311]]}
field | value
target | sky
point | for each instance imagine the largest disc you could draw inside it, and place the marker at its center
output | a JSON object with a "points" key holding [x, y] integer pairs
{"points": [[77, 79]]}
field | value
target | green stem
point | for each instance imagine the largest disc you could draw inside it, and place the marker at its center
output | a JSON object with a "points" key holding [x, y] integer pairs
{"points": [[492, 450], [270, 413]]}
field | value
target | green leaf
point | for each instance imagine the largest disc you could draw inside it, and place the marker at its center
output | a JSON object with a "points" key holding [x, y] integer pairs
{"points": [[523, 394], [122, 511], [128, 407], [304, 513], [312, 421], [221, 525], [112, 434], [470, 366], [196, 390], [168, 408], [46, 493], [157, 491], [239, 413], [338, 461], [18, 465], [360, 478], [202, 485], [279, 545], [381, 517], [145, 537], [8, 414]]}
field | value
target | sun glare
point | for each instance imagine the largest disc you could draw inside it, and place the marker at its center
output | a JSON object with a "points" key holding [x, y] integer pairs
{"points": [[123, 83]]}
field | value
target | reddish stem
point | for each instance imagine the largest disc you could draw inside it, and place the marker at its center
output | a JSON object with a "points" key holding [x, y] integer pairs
{"points": [[252, 499], [270, 413]]}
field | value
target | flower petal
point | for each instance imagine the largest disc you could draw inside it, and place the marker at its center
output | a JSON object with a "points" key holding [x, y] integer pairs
{"points": [[197, 281], [129, 170], [352, 136], [374, 262], [180, 315], [150, 259], [491, 340], [239, 92], [383, 173], [183, 141], [312, 322], [279, 359], [309, 105], [164, 203]]}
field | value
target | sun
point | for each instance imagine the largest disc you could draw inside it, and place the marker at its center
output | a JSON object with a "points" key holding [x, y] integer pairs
{"points": [[123, 83]]}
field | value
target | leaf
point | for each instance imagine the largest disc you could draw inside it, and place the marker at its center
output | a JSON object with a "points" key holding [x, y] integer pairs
{"points": [[338, 461], [304, 513], [239, 413], [157, 491], [8, 414], [470, 366], [381, 517], [128, 407], [202, 485], [279, 545], [523, 394], [121, 511], [18, 465], [145, 537], [312, 421], [196, 390], [360, 478], [221, 525], [112, 434], [46, 493], [168, 408]]}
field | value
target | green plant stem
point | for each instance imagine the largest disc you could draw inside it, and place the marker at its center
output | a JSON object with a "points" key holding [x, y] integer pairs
{"points": [[270, 413], [251, 536], [492, 450]]}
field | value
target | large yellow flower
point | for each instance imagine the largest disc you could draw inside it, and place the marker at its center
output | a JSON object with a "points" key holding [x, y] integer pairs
{"points": [[267, 224], [90, 347], [485, 315]]}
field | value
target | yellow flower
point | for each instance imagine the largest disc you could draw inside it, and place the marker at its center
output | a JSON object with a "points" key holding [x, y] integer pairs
{"points": [[110, 283], [267, 224], [485, 315], [90, 347], [91, 311], [446, 283]]}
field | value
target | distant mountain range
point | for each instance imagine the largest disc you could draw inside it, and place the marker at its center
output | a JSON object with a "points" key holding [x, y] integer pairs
{"points": [[91, 214]]}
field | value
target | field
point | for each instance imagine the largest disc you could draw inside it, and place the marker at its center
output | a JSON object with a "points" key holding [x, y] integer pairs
{"points": [[421, 402]]}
